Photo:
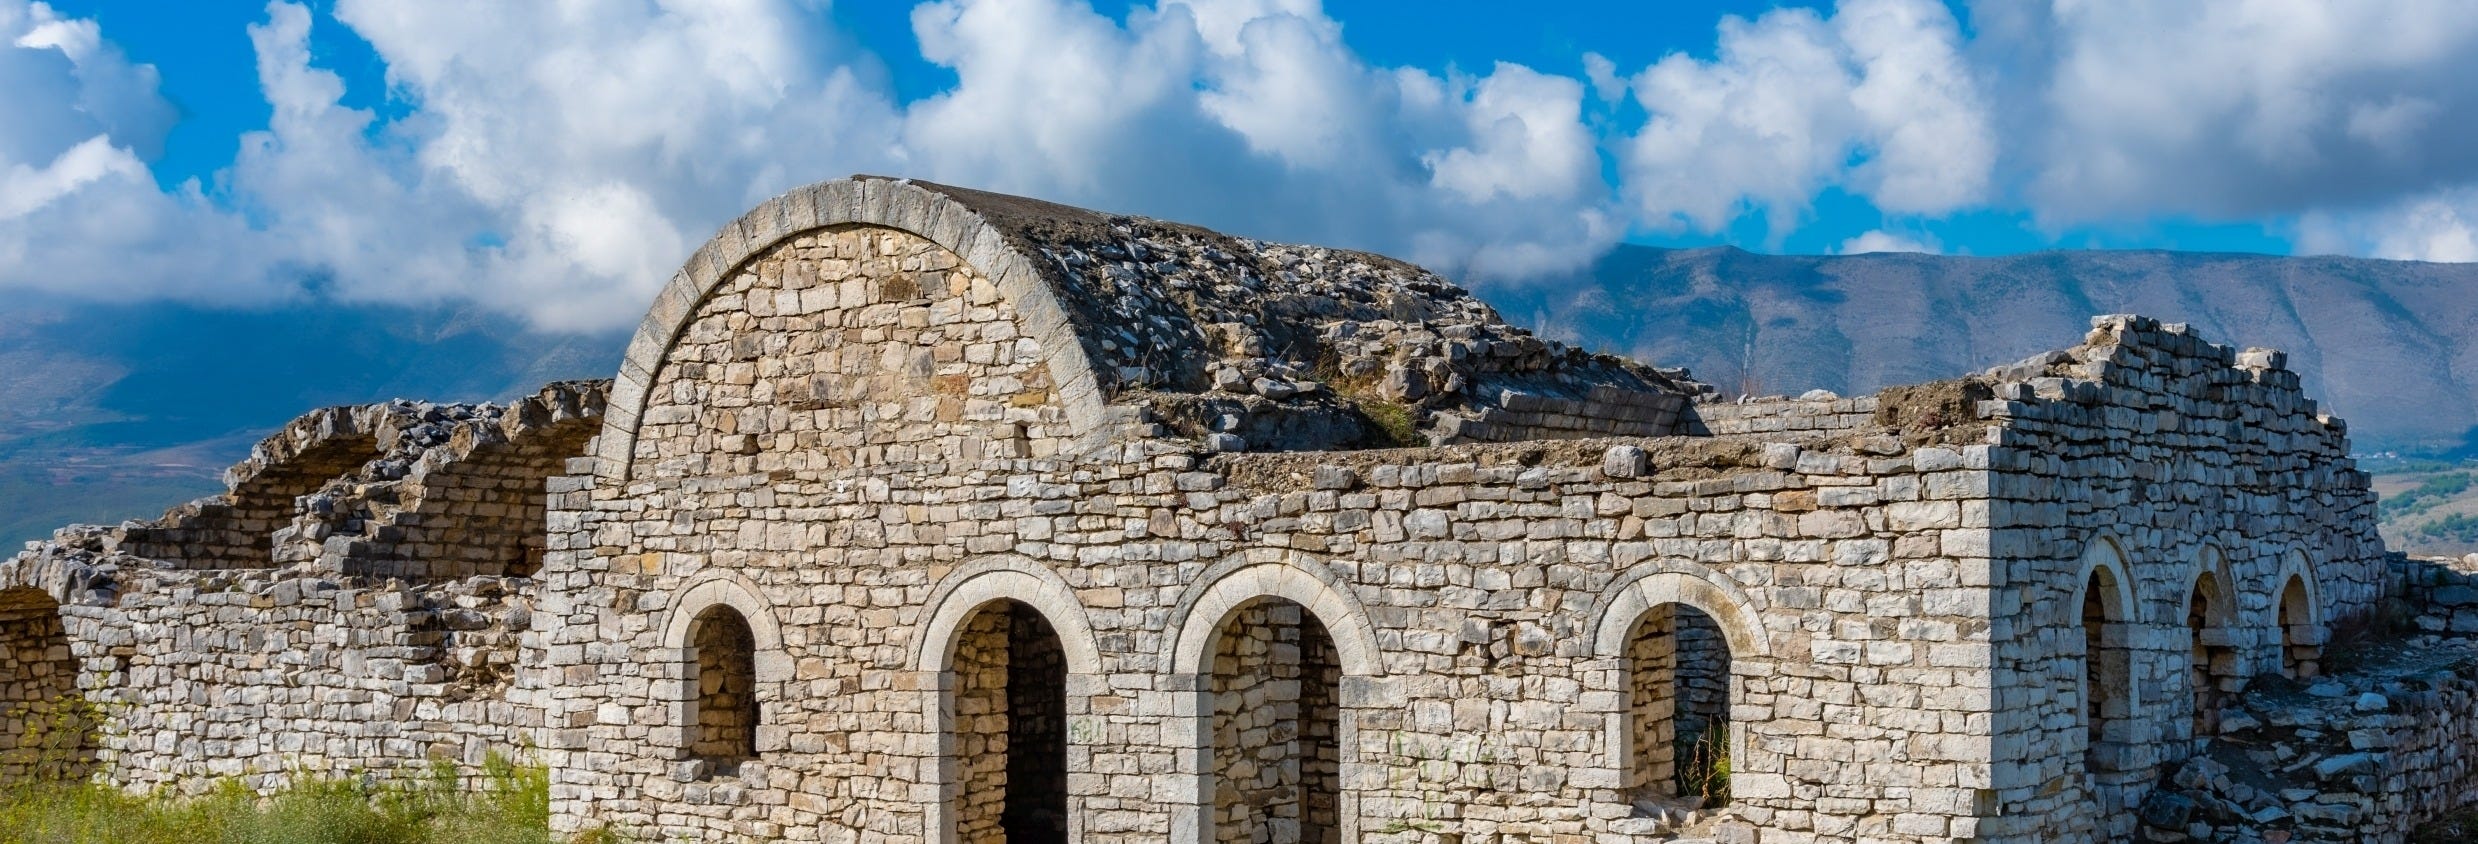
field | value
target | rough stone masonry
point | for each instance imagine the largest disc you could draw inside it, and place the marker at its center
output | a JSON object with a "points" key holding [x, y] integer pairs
{"points": [[922, 514]]}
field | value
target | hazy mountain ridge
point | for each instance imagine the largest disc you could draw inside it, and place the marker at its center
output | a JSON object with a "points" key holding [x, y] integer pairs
{"points": [[114, 411], [2391, 345]]}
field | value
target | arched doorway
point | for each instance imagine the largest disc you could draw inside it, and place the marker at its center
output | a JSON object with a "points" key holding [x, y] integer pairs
{"points": [[1678, 672], [2107, 677], [1276, 763], [2301, 653], [1008, 714], [725, 684], [2211, 666], [47, 732]]}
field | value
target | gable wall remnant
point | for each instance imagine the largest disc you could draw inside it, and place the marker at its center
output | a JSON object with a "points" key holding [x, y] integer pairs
{"points": [[2187, 458], [352, 606]]}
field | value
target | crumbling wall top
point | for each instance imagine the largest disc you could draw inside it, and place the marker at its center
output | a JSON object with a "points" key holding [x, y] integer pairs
{"points": [[1170, 312]]}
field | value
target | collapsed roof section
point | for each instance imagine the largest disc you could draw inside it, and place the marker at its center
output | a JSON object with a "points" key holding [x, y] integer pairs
{"points": [[1266, 346]]}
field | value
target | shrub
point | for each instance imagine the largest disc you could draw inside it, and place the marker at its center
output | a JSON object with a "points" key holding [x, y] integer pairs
{"points": [[1391, 425], [1703, 764]]}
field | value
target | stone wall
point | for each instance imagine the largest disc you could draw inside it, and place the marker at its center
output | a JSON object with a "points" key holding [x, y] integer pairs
{"points": [[1783, 416], [2133, 465], [266, 678], [264, 675], [42, 718], [261, 646]]}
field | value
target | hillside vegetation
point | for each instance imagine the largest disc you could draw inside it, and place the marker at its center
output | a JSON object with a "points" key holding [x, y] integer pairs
{"points": [[2429, 506]]}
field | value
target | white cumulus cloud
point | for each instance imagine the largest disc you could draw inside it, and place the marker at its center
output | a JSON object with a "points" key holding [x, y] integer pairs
{"points": [[1875, 98], [2440, 226], [559, 160], [1879, 240], [2244, 108]]}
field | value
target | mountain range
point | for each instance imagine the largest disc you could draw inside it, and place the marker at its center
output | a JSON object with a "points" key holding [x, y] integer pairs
{"points": [[111, 411], [2390, 345]]}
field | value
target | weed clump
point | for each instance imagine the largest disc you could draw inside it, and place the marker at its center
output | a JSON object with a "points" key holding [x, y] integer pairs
{"points": [[510, 804]]}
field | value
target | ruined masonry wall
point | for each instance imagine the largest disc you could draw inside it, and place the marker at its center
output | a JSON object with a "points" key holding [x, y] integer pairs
{"points": [[2165, 455], [1789, 417], [2424, 765], [263, 678], [38, 688]]}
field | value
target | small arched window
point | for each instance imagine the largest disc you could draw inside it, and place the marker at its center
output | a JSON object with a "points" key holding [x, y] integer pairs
{"points": [[2301, 638], [723, 682]]}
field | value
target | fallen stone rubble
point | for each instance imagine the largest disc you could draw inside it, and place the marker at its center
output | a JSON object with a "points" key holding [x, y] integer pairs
{"points": [[2350, 756]]}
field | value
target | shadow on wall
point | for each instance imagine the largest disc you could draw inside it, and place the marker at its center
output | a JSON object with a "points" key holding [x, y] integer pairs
{"points": [[47, 729]]}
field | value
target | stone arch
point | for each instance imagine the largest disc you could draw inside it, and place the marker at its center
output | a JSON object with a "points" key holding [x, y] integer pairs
{"points": [[2210, 577], [1267, 592], [971, 586], [2297, 622], [1677, 582], [1235, 581], [891, 203], [769, 667], [2103, 608], [1647, 594], [2208, 611], [1011, 605]]}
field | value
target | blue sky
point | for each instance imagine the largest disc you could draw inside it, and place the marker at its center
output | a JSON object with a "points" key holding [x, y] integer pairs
{"points": [[554, 162]]}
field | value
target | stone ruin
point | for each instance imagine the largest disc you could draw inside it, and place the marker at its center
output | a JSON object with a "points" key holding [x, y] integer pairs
{"points": [[922, 514]]}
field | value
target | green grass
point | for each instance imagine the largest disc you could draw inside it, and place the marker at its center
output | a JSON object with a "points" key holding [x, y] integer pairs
{"points": [[1393, 423], [511, 805], [1703, 764]]}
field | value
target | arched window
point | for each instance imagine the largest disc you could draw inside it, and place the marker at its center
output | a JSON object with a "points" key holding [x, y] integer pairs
{"points": [[2107, 676], [724, 732], [1009, 727], [2301, 638], [1678, 672], [1277, 756]]}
